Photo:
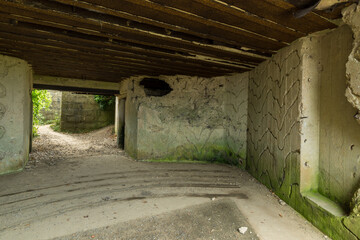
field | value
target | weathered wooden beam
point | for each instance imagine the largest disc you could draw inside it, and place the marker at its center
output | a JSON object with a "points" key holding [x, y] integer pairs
{"points": [[227, 15], [73, 82], [74, 22], [193, 22], [37, 35], [77, 89], [29, 44], [281, 12]]}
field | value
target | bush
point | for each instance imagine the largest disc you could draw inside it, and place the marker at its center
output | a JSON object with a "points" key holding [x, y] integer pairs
{"points": [[40, 99], [104, 101]]}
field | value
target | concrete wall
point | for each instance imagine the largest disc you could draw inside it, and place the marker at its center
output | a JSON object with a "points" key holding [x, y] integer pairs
{"points": [[191, 122], [273, 120], [15, 117], [55, 108], [339, 132], [302, 139], [80, 112]]}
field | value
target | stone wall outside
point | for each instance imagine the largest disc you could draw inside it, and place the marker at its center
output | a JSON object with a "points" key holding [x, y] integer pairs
{"points": [[80, 113]]}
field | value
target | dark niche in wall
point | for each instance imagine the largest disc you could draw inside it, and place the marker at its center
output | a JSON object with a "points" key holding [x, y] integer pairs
{"points": [[155, 87]]}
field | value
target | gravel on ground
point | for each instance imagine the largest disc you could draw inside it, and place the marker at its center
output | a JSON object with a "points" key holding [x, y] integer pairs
{"points": [[50, 147]]}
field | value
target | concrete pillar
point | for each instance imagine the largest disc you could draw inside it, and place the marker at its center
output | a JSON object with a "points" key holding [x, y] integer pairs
{"points": [[120, 121], [15, 117]]}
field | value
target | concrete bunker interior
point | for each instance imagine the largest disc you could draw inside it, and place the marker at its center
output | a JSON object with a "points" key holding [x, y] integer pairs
{"points": [[208, 81]]}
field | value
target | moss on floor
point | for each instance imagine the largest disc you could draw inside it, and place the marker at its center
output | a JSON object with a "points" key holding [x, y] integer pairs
{"points": [[201, 154]]}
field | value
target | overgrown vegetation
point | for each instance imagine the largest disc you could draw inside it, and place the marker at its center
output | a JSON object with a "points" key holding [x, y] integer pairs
{"points": [[40, 99], [104, 101]]}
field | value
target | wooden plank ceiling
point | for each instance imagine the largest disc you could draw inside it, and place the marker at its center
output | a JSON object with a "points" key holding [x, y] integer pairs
{"points": [[110, 40]]}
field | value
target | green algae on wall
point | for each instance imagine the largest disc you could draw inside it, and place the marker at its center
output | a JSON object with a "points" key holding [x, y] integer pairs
{"points": [[277, 133], [209, 153], [193, 121]]}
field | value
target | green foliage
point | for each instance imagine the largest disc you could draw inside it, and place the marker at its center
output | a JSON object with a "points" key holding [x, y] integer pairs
{"points": [[104, 101], [41, 99]]}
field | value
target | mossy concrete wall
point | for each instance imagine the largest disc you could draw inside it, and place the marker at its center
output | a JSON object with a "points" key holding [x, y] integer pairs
{"points": [[193, 121], [80, 113], [302, 141], [339, 132], [15, 113]]}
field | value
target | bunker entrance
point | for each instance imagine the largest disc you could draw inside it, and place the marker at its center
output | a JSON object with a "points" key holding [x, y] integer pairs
{"points": [[71, 124]]}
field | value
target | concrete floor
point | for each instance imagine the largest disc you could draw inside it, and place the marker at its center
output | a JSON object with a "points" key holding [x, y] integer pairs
{"points": [[115, 197]]}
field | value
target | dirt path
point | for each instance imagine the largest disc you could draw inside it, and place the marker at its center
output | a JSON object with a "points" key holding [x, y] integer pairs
{"points": [[51, 147]]}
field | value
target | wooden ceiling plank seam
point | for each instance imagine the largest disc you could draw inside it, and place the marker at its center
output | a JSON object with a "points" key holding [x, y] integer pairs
{"points": [[281, 12], [129, 49], [132, 17], [106, 68], [100, 26], [236, 34], [137, 67], [195, 18], [133, 73], [235, 55], [214, 11], [101, 54], [141, 19]]}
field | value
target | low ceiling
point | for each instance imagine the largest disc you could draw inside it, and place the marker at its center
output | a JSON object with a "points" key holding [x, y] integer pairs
{"points": [[110, 40]]}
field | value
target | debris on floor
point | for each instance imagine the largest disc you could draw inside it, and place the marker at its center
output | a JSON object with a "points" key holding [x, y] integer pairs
{"points": [[243, 230]]}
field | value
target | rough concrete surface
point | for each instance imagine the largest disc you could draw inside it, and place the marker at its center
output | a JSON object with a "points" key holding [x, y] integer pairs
{"points": [[15, 118], [218, 219], [351, 17], [299, 139], [80, 113], [198, 114], [103, 194]]}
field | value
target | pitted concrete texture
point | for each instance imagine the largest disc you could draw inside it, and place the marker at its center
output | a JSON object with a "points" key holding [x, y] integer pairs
{"points": [[15, 129], [87, 193], [351, 17], [198, 113]]}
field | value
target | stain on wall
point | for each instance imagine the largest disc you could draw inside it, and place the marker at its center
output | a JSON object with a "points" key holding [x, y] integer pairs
{"points": [[80, 113], [190, 122]]}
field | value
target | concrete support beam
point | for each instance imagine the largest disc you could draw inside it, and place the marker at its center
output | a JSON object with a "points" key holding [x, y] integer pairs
{"points": [[120, 121], [59, 83], [15, 114]]}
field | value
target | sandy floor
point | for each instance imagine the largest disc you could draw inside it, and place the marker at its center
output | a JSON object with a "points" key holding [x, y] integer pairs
{"points": [[102, 194]]}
